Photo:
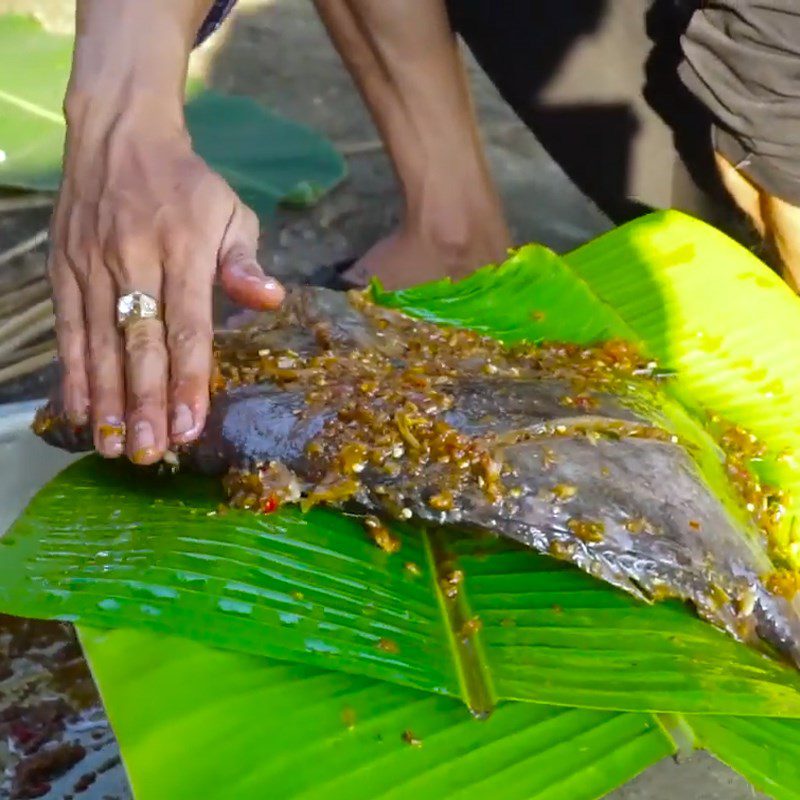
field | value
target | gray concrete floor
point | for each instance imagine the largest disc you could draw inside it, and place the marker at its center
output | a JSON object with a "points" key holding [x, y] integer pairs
{"points": [[276, 52]]}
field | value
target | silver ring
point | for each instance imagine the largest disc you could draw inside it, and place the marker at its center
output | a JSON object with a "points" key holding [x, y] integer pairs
{"points": [[136, 306]]}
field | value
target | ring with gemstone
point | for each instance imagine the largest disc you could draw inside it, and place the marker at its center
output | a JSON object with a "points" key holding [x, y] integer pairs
{"points": [[136, 306]]}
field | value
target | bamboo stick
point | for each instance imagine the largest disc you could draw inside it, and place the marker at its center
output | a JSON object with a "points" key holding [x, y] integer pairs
{"points": [[27, 365], [23, 247], [26, 202], [29, 334], [21, 297], [350, 149], [29, 316], [27, 352]]}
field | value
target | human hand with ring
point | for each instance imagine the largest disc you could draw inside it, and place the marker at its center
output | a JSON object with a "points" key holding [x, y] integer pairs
{"points": [[141, 229]]}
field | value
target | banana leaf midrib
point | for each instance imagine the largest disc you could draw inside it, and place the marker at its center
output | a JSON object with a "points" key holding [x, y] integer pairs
{"points": [[474, 675]]}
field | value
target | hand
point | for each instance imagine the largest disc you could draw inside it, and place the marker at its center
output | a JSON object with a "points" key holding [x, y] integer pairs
{"points": [[777, 220], [138, 210]]}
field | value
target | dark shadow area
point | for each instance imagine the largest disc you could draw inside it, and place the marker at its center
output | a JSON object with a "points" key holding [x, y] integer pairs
{"points": [[523, 45], [684, 115], [592, 145]]}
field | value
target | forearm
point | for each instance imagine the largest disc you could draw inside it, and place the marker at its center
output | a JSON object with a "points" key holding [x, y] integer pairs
{"points": [[132, 55], [415, 43]]}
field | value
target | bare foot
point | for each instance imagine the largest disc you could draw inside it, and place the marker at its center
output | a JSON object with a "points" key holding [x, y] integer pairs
{"points": [[408, 66], [412, 255]]}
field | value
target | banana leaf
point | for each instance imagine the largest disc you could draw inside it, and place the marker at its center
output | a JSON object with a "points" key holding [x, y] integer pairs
{"points": [[312, 591], [266, 158], [694, 299], [320, 733], [104, 546], [765, 751]]}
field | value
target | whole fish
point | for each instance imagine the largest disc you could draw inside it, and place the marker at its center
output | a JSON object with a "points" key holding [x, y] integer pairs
{"points": [[570, 450]]}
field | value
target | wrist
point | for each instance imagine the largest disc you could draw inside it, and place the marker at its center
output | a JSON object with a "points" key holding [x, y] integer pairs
{"points": [[99, 106], [130, 59]]}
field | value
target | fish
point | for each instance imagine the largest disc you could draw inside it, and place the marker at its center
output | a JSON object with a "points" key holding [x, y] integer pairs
{"points": [[570, 450]]}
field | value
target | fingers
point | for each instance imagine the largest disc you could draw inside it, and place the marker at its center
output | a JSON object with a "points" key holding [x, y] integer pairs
{"points": [[120, 380], [71, 336], [146, 368], [187, 295], [135, 261], [106, 366], [164, 234], [240, 274]]}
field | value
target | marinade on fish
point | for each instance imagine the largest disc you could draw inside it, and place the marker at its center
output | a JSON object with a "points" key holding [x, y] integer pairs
{"points": [[566, 449]]}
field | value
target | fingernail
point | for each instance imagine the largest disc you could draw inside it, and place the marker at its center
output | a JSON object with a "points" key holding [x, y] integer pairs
{"points": [[244, 269], [144, 442], [182, 420], [111, 435], [78, 418], [272, 287]]}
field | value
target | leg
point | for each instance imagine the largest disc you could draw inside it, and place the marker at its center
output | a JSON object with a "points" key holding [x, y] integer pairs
{"points": [[405, 60], [746, 196], [782, 220]]}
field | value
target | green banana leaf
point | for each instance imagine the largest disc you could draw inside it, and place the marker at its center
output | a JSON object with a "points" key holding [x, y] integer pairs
{"points": [[266, 158], [245, 727], [765, 751], [694, 299], [550, 635], [104, 546], [98, 548]]}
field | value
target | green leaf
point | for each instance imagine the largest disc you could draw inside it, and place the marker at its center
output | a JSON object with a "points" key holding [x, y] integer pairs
{"points": [[32, 84], [246, 727], [267, 159], [712, 311], [106, 545], [534, 295], [765, 751], [264, 157], [550, 634], [694, 299]]}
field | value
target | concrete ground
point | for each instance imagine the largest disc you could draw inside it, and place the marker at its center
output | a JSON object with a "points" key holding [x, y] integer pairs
{"points": [[276, 52]]}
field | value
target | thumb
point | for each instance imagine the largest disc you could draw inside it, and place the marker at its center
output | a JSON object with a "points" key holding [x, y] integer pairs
{"points": [[239, 272]]}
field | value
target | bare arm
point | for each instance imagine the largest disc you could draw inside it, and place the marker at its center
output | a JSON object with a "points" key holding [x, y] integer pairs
{"points": [[139, 211]]}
